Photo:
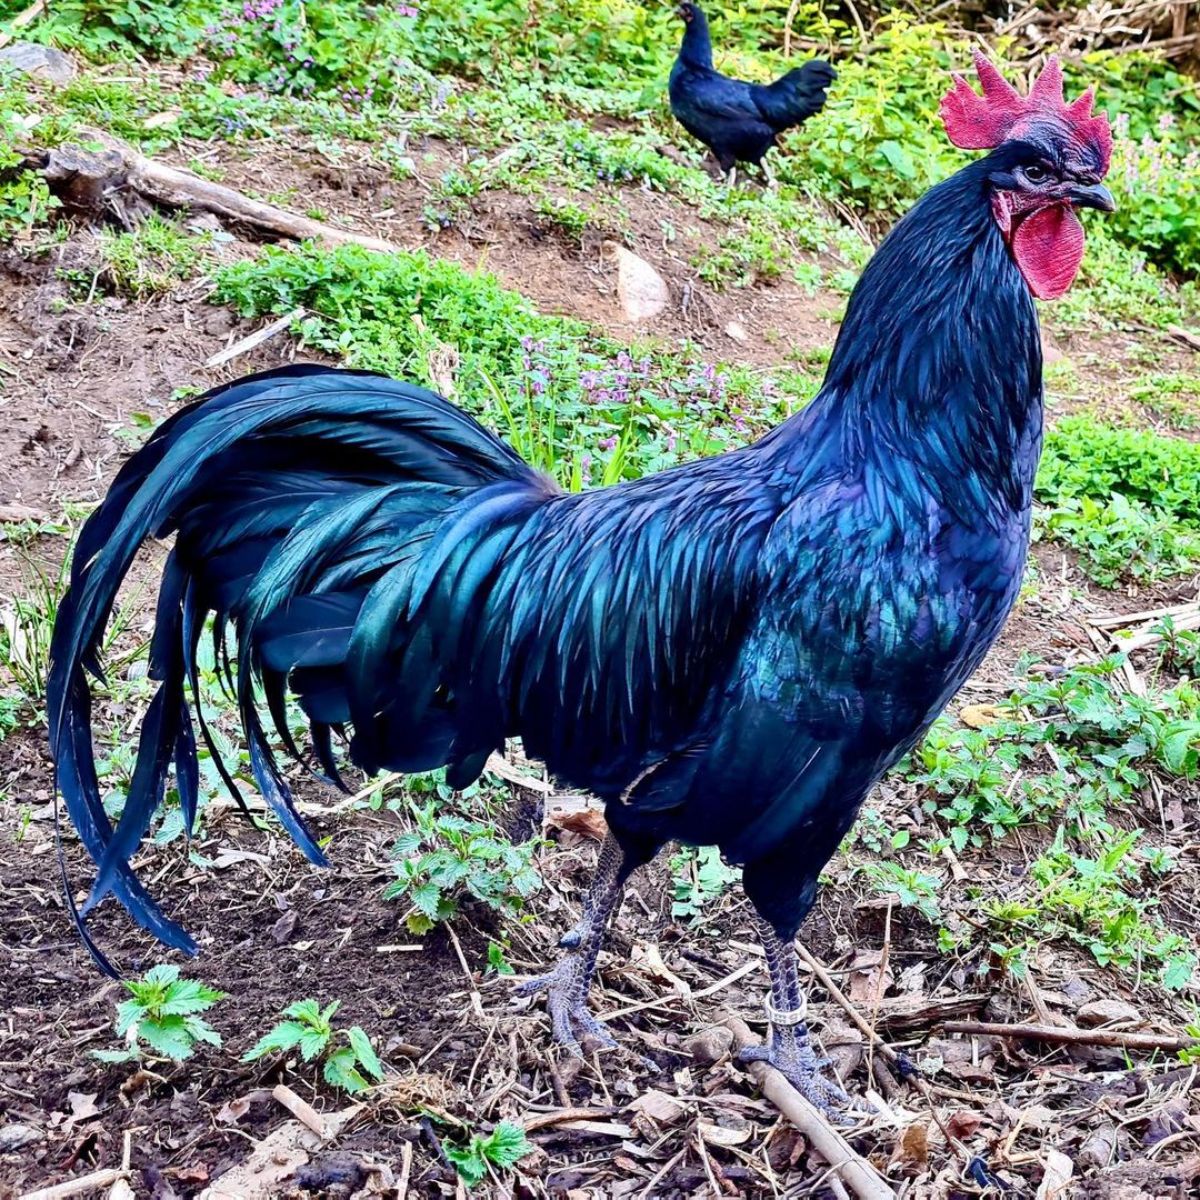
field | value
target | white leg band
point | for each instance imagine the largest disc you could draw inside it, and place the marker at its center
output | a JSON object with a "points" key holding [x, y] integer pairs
{"points": [[785, 1017]]}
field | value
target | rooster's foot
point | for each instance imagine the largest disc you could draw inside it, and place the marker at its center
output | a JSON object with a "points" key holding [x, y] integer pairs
{"points": [[790, 1052], [566, 1002]]}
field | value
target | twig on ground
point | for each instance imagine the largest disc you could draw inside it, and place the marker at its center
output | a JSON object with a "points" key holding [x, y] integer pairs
{"points": [[476, 1002], [855, 1172], [561, 1116], [105, 181], [793, 8], [706, 1162], [406, 1153], [648, 1190], [301, 1110], [1106, 646], [77, 1187], [23, 18], [1125, 620], [1185, 336], [826, 981], [1072, 1036], [254, 340], [664, 1001]]}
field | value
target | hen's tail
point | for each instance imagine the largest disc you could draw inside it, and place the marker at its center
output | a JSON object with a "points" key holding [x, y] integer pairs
{"points": [[796, 96], [294, 495]]}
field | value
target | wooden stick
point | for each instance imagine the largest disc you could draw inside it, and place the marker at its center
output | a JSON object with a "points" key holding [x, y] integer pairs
{"points": [[562, 1115], [96, 180], [476, 1001], [76, 1187], [793, 8], [255, 339], [664, 1001], [855, 1171], [406, 1153], [1076, 1037], [889, 1052], [301, 1110], [22, 19], [1124, 620], [177, 188], [1185, 336]]}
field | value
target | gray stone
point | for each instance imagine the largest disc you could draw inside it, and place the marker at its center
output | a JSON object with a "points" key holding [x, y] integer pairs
{"points": [[15, 1137], [44, 62]]}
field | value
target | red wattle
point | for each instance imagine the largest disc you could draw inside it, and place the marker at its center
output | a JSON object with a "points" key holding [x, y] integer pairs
{"points": [[1048, 247]]}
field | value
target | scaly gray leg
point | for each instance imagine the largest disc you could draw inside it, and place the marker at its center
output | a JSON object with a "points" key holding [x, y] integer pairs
{"points": [[789, 1048], [566, 986]]}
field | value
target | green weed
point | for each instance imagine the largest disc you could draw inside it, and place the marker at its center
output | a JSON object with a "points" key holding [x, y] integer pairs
{"points": [[347, 1055], [699, 878], [162, 1016], [499, 1150], [151, 258], [911, 888], [1121, 539], [447, 857]]}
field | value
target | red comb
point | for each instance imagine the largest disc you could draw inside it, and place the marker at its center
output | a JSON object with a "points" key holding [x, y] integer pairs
{"points": [[975, 122]]}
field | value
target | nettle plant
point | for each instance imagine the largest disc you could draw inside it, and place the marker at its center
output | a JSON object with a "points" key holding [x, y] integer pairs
{"points": [[500, 1150], [162, 1017], [447, 857], [347, 1055]]}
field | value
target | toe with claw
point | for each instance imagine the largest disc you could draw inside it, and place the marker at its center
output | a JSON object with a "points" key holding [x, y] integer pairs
{"points": [[566, 1002], [790, 1052]]}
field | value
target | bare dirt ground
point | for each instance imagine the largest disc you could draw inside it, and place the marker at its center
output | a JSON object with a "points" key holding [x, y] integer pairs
{"points": [[669, 1113]]}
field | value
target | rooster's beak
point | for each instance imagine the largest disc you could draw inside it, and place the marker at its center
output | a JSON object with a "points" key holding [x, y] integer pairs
{"points": [[1094, 195]]}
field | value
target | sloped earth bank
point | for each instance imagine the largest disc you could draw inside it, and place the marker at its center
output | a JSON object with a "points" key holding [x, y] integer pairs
{"points": [[667, 1114]]}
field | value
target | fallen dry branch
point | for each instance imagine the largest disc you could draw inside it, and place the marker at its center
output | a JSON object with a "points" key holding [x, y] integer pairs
{"points": [[826, 980], [1185, 336], [854, 1171], [254, 340], [108, 181], [77, 1187], [300, 1109], [1189, 611], [563, 1116], [27, 17], [1070, 1036]]}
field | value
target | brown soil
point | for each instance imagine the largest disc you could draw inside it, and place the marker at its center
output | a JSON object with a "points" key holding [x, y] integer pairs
{"points": [[459, 1048]]}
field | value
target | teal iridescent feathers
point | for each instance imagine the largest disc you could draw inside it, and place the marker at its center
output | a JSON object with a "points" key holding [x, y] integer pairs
{"points": [[731, 652]]}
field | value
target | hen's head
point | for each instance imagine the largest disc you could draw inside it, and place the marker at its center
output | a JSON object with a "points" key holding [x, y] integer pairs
{"points": [[688, 11], [1048, 160]]}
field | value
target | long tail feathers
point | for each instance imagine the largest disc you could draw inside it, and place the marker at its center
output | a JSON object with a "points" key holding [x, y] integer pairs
{"points": [[303, 502]]}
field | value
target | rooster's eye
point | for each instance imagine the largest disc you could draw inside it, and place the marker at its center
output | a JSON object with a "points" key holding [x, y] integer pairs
{"points": [[1036, 174]]}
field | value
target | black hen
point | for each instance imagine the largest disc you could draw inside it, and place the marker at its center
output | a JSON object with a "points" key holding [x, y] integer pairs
{"points": [[739, 121]]}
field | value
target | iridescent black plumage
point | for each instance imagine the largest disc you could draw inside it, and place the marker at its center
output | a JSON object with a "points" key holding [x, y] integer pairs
{"points": [[736, 120], [731, 652]]}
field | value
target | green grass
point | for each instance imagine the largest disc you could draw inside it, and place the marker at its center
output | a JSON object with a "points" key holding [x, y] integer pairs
{"points": [[1174, 397], [1127, 500], [152, 258], [575, 403]]}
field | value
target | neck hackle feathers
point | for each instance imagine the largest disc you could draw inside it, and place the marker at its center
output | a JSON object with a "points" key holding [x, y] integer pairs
{"points": [[975, 122]]}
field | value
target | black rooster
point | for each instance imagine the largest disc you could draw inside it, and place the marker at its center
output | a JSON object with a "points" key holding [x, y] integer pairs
{"points": [[731, 653], [739, 121]]}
